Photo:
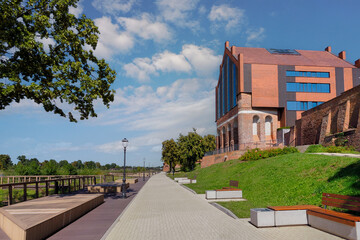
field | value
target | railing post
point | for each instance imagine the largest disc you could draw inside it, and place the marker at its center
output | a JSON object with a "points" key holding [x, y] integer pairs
{"points": [[56, 187], [94, 180], [10, 195], [62, 186], [79, 183], [69, 185], [47, 188], [37, 190], [25, 192]]}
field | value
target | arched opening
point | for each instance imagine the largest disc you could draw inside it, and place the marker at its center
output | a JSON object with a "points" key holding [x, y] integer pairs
{"points": [[236, 134], [256, 121], [218, 139], [268, 128], [230, 142], [223, 144]]}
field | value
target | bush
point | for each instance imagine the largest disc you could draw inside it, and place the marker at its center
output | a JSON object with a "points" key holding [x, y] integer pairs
{"points": [[315, 149], [256, 154]]}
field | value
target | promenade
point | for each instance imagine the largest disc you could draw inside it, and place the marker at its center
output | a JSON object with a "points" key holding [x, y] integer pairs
{"points": [[165, 210]]}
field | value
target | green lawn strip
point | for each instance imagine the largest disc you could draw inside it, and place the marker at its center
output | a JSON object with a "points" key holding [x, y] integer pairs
{"points": [[283, 180]]}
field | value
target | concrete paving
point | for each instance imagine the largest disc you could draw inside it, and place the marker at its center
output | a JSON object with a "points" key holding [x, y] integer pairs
{"points": [[165, 210]]}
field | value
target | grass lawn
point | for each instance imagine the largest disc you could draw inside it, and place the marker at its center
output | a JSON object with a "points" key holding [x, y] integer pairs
{"points": [[283, 180]]}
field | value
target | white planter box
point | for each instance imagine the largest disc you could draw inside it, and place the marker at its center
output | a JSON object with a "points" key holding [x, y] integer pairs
{"points": [[262, 217], [291, 217], [181, 178], [184, 181], [210, 194], [229, 194]]}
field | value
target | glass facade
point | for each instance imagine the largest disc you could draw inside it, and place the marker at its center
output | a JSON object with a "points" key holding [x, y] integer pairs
{"points": [[301, 106], [227, 90], [307, 74], [308, 87]]}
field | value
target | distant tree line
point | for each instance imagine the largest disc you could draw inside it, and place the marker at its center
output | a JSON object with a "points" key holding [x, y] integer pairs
{"points": [[33, 166], [187, 150]]}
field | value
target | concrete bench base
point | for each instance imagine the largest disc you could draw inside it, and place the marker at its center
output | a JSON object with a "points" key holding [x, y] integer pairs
{"points": [[223, 194], [262, 217], [336, 228], [186, 181], [291, 217]]}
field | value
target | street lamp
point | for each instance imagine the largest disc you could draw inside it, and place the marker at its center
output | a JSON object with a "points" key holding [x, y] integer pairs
{"points": [[144, 171], [125, 143]]}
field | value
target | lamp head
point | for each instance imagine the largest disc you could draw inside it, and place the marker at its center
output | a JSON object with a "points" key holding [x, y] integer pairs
{"points": [[125, 142]]}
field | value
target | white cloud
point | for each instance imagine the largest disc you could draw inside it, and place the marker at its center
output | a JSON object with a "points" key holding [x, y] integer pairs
{"points": [[157, 114], [146, 27], [233, 18], [192, 57], [113, 6], [46, 42], [112, 40], [202, 59], [255, 35], [178, 12], [78, 10]]}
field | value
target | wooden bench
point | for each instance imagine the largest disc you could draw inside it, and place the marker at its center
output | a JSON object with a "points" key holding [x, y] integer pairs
{"points": [[291, 215], [231, 192], [339, 223]]}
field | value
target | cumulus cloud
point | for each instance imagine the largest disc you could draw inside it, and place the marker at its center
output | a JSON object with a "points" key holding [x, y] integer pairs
{"points": [[178, 12], [113, 6], [146, 27], [233, 18], [111, 40], [78, 10], [192, 57], [161, 113], [254, 35]]}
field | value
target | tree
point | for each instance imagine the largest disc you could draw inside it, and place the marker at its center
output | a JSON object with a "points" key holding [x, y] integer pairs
{"points": [[49, 167], [5, 161], [208, 143], [90, 165], [170, 154], [77, 164], [190, 150], [63, 71]]}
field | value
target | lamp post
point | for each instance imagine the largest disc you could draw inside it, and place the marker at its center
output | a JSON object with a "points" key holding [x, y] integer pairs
{"points": [[144, 171], [123, 187]]}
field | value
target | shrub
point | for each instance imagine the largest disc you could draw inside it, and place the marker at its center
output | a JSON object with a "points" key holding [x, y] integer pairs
{"points": [[256, 154], [330, 149], [315, 149]]}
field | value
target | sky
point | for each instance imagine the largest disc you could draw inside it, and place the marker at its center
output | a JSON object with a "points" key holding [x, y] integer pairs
{"points": [[167, 54]]}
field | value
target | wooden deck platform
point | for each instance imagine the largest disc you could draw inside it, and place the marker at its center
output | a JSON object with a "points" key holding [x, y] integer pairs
{"points": [[39, 218]]}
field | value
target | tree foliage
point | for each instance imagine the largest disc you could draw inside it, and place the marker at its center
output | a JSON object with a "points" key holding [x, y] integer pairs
{"points": [[5, 161], [187, 150], [170, 153], [64, 71]]}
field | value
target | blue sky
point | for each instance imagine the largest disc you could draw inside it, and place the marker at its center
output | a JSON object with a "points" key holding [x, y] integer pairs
{"points": [[167, 55]]}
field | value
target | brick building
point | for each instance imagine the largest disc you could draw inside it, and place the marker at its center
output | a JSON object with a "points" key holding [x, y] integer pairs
{"points": [[338, 118], [260, 90]]}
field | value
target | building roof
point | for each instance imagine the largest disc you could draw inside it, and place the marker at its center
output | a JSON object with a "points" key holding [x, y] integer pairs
{"points": [[306, 58]]}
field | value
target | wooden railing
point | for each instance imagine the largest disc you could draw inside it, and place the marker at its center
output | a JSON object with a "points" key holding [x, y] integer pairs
{"points": [[60, 184]]}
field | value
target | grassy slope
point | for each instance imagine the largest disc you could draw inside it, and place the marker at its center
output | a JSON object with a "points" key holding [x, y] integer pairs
{"points": [[282, 180]]}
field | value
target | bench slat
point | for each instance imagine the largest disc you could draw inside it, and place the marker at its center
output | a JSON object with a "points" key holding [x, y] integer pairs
{"points": [[229, 189], [343, 218], [357, 209], [340, 201], [295, 207], [344, 197]]}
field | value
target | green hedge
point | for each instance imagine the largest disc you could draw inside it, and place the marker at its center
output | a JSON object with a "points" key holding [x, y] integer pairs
{"points": [[330, 149], [256, 154]]}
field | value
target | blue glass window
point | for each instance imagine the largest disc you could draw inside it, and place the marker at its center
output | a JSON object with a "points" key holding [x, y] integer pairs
{"points": [[223, 91], [234, 85], [301, 106], [308, 87], [307, 74], [228, 82]]}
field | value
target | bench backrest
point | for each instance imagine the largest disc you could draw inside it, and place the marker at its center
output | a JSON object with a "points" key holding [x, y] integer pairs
{"points": [[341, 201], [234, 183]]}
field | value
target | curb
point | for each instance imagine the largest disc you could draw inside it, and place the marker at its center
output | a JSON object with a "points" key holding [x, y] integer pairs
{"points": [[225, 210]]}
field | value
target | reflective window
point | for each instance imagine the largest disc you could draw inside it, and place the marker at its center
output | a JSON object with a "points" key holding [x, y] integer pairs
{"points": [[308, 87], [307, 74], [301, 106]]}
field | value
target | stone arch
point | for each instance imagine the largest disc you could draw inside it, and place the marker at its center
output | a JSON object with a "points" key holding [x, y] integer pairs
{"points": [[268, 126], [255, 125]]}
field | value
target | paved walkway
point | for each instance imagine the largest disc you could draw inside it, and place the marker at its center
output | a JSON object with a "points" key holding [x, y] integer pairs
{"points": [[165, 210]]}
